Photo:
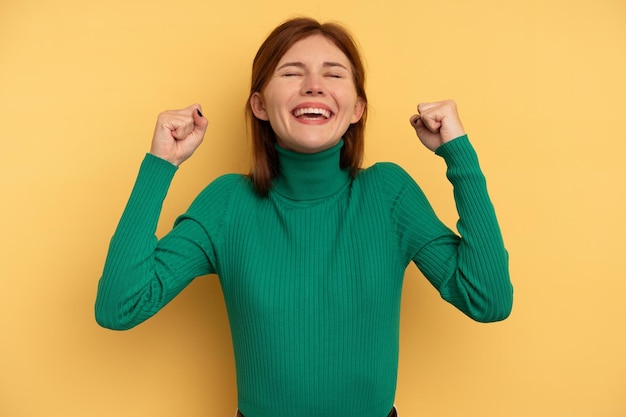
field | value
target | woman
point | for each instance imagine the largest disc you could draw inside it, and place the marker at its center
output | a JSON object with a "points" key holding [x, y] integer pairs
{"points": [[310, 249]]}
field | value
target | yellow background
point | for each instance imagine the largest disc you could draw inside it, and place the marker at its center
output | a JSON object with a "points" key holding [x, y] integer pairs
{"points": [[540, 87]]}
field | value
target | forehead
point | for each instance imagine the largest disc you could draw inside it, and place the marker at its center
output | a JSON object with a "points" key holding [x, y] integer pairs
{"points": [[314, 48]]}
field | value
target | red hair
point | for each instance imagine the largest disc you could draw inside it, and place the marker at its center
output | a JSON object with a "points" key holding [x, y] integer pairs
{"points": [[264, 156]]}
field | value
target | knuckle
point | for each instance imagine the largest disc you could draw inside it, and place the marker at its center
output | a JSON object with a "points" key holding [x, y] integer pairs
{"points": [[451, 104]]}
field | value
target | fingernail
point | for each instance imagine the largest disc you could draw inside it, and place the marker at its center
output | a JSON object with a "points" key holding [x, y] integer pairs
{"points": [[199, 113]]}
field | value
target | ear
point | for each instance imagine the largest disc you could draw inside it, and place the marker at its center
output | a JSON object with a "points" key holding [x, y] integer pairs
{"points": [[257, 106], [359, 108]]}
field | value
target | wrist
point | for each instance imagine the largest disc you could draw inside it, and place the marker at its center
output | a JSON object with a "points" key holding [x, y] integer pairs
{"points": [[169, 160]]}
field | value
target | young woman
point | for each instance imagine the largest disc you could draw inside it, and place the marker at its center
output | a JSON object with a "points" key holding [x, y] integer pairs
{"points": [[310, 248]]}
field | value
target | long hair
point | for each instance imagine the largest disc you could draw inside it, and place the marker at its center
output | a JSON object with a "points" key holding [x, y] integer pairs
{"points": [[264, 156]]}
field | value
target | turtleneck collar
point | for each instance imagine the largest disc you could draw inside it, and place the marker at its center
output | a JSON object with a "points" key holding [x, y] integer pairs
{"points": [[310, 176]]}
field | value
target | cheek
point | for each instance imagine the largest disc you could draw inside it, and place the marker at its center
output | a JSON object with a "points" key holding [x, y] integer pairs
{"points": [[275, 105], [351, 104]]}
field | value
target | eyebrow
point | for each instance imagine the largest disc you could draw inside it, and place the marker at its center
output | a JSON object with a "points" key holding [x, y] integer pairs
{"points": [[301, 65]]}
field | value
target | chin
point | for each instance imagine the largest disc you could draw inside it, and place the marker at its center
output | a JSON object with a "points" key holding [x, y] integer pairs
{"points": [[315, 148], [308, 146]]}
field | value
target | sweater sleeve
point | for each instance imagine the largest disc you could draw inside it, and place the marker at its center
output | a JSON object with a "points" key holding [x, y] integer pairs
{"points": [[471, 270], [142, 274]]}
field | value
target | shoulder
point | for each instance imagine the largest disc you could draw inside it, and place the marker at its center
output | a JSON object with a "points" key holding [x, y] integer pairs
{"points": [[221, 191], [228, 183], [394, 185], [389, 175], [381, 169]]}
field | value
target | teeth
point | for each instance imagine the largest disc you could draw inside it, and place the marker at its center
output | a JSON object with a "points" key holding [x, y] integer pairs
{"points": [[311, 111]]}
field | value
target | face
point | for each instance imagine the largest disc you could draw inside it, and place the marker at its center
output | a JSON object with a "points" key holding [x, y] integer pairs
{"points": [[310, 99]]}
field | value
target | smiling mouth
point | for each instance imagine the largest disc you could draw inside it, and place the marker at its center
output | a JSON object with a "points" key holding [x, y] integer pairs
{"points": [[312, 113]]}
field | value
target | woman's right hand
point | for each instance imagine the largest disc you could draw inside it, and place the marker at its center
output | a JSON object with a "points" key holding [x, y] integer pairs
{"points": [[178, 133]]}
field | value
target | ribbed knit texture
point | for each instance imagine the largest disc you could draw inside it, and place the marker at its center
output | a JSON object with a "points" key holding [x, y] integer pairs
{"points": [[312, 274]]}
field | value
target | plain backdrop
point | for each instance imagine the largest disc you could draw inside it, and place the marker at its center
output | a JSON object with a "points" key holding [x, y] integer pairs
{"points": [[540, 88]]}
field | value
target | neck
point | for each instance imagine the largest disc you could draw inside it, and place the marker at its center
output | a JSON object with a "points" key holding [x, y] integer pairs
{"points": [[310, 176]]}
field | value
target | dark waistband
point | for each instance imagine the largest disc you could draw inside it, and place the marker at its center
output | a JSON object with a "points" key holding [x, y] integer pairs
{"points": [[392, 413]]}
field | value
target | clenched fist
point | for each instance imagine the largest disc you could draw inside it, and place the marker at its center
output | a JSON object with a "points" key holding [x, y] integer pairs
{"points": [[437, 123], [178, 133]]}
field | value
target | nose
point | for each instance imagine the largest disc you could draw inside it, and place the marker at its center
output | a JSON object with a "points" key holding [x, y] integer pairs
{"points": [[312, 85]]}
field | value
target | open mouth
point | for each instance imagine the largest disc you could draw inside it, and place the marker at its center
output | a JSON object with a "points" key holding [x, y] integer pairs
{"points": [[312, 113]]}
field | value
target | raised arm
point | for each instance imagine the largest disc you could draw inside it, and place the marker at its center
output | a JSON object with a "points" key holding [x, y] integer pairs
{"points": [[471, 270], [140, 276]]}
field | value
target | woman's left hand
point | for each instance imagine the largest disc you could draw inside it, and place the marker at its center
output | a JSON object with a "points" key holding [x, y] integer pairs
{"points": [[437, 123]]}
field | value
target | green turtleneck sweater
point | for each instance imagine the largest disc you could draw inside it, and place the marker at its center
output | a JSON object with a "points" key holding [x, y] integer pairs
{"points": [[312, 274]]}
